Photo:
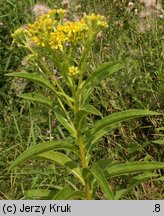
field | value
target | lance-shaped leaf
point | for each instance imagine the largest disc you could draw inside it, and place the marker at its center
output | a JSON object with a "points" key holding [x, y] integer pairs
{"points": [[34, 77], [103, 164], [144, 176], [132, 167], [61, 116], [37, 193], [124, 192], [35, 150], [159, 142], [63, 160], [95, 137], [102, 181], [65, 120], [104, 71], [37, 98], [120, 194], [76, 194], [110, 122], [68, 193], [92, 110], [106, 163], [161, 178], [122, 116], [81, 114]]}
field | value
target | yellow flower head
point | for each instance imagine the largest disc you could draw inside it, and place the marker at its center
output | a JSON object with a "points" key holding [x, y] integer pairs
{"points": [[96, 22], [19, 35], [73, 71], [61, 13], [56, 40], [73, 31]]}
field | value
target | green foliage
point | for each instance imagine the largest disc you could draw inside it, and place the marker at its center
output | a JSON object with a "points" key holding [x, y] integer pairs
{"points": [[106, 124], [77, 104], [41, 148], [140, 166], [63, 160], [161, 141], [100, 177], [104, 71]]}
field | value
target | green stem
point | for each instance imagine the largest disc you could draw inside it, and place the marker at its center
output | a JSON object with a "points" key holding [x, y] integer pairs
{"points": [[84, 164], [82, 62]]}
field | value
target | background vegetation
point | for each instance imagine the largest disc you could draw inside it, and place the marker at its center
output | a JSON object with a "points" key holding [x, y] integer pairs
{"points": [[136, 38]]}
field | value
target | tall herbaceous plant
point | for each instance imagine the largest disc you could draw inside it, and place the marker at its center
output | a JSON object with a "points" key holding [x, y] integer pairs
{"points": [[59, 50]]}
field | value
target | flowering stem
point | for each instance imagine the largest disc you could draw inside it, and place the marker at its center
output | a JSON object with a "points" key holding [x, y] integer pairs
{"points": [[55, 82], [82, 62]]}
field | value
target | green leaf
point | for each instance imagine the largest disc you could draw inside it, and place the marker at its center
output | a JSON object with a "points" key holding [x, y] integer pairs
{"points": [[161, 178], [76, 194], [160, 142], [144, 176], [103, 164], [44, 82], [34, 78], [66, 96], [80, 117], [68, 193], [63, 194], [110, 122], [136, 181], [81, 114], [64, 119], [101, 179], [106, 163], [92, 110], [41, 148], [122, 116], [63, 160], [99, 134], [124, 192], [161, 128], [132, 167], [38, 98], [37, 193], [104, 71], [61, 117]]}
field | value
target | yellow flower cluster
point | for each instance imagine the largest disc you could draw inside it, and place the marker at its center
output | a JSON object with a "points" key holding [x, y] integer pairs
{"points": [[19, 35], [48, 29], [73, 71], [95, 21], [73, 31]]}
